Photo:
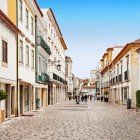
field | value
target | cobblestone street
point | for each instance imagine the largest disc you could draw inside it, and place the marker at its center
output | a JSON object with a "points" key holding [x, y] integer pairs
{"points": [[68, 121]]}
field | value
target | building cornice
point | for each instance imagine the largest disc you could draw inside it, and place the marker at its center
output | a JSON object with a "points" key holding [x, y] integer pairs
{"points": [[9, 23], [56, 26], [123, 52]]}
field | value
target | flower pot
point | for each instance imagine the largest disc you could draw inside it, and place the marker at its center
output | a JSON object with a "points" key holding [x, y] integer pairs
{"points": [[2, 115]]}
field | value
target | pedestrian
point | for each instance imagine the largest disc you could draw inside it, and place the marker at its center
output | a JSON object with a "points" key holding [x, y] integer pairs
{"points": [[90, 97], [82, 98], [101, 98], [86, 98]]}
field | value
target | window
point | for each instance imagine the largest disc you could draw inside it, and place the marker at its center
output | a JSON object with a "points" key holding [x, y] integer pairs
{"points": [[27, 19], [32, 26], [127, 57], [117, 69], [121, 66], [32, 57], [21, 51], [39, 64], [20, 9], [4, 52], [27, 56], [46, 67]]}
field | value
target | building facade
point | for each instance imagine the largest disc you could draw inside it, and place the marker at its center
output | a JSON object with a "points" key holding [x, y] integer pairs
{"points": [[69, 77], [120, 76], [104, 63], [8, 56], [124, 71], [42, 57], [57, 85]]}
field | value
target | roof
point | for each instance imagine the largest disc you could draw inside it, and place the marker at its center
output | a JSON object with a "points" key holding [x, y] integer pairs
{"points": [[9, 23], [124, 51], [38, 8], [56, 23]]}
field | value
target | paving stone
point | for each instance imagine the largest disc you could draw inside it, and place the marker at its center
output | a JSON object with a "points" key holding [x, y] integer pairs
{"points": [[68, 121]]}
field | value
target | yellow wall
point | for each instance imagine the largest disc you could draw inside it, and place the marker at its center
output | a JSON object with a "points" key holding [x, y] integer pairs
{"points": [[12, 10]]}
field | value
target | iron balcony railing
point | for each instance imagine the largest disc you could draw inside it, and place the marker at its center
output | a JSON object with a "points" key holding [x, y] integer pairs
{"points": [[43, 78], [117, 79], [59, 79], [41, 42], [114, 81], [120, 78], [126, 75]]}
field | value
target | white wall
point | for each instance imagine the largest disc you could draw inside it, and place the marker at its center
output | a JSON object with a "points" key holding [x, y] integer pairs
{"points": [[115, 52], [26, 73], [3, 6], [8, 72]]}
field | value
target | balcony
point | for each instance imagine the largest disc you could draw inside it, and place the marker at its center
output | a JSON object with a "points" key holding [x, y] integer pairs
{"points": [[43, 78], [59, 79], [120, 78], [126, 75], [117, 79], [41, 42]]}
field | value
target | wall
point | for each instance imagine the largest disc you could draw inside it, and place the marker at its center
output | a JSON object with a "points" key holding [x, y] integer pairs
{"points": [[3, 6], [8, 72]]}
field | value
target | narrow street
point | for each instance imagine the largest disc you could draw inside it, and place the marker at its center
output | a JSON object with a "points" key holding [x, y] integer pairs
{"points": [[68, 121]]}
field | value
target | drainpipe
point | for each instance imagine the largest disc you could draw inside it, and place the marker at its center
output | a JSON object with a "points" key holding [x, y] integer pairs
{"points": [[17, 67], [36, 50], [36, 57]]}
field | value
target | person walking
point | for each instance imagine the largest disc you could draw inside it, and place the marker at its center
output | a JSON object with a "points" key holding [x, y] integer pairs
{"points": [[85, 98]]}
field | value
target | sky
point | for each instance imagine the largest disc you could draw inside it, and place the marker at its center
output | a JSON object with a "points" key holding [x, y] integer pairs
{"points": [[89, 27]]}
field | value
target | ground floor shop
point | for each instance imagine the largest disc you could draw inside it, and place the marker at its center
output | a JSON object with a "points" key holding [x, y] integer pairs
{"points": [[120, 94], [41, 97], [9, 106], [56, 93]]}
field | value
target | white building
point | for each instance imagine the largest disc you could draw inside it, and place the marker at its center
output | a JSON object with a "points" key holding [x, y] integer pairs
{"points": [[69, 76], [104, 63], [42, 56], [8, 56], [124, 71], [57, 84]]}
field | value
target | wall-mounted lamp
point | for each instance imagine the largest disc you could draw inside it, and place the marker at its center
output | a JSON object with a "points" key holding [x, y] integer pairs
{"points": [[57, 63]]}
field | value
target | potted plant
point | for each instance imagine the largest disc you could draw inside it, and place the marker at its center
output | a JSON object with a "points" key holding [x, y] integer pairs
{"points": [[3, 96], [106, 96], [138, 99]]}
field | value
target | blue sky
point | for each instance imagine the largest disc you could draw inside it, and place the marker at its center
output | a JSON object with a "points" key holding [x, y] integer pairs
{"points": [[89, 27]]}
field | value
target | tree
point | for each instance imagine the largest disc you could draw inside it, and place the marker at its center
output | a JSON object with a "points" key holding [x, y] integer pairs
{"points": [[3, 95]]}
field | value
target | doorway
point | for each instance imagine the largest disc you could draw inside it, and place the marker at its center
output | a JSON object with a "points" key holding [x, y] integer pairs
{"points": [[21, 99], [12, 100], [26, 99], [125, 93]]}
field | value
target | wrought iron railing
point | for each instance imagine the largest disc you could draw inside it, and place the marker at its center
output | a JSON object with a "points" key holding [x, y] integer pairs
{"points": [[41, 42]]}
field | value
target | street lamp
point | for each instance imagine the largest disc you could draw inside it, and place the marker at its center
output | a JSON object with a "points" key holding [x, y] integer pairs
{"points": [[58, 64], [59, 67]]}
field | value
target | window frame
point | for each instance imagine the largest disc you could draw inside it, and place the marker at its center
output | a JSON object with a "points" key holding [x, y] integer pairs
{"points": [[32, 25], [27, 18], [4, 60], [21, 53], [32, 59], [27, 61], [21, 10]]}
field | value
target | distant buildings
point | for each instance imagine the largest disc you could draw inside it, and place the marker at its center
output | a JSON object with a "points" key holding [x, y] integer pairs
{"points": [[88, 86], [93, 74], [69, 76]]}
